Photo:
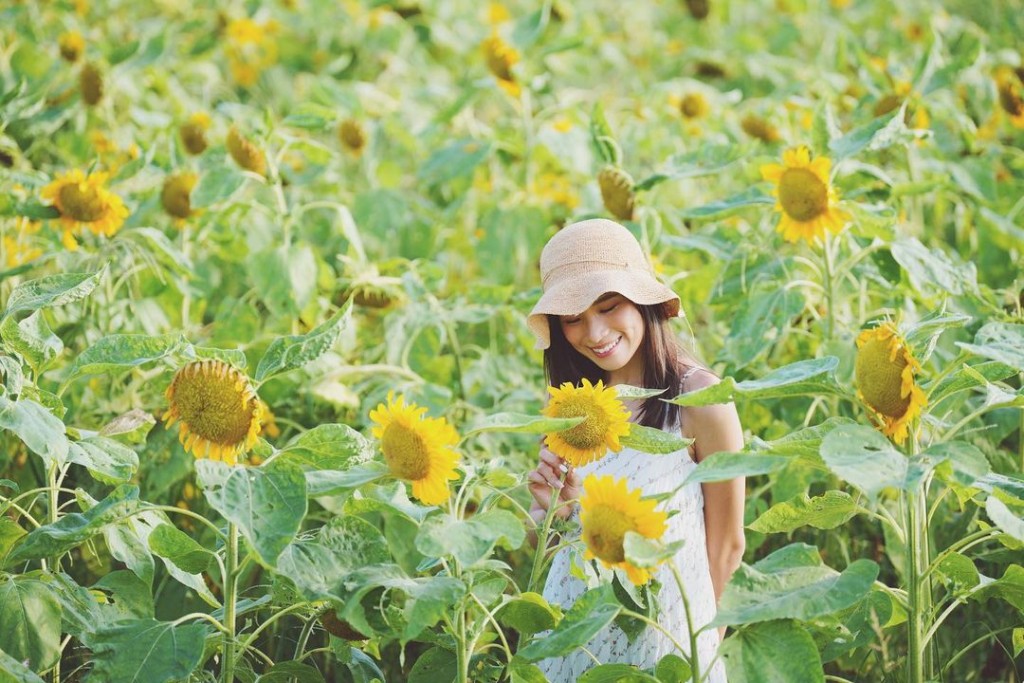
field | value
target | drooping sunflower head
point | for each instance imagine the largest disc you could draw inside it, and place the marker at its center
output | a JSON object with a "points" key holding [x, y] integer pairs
{"points": [[175, 194], [617, 192], [352, 136], [193, 133], [417, 448], [606, 421], [245, 153], [804, 196], [885, 371], [500, 58], [608, 509], [71, 45], [762, 129], [90, 84], [217, 410], [85, 200]]}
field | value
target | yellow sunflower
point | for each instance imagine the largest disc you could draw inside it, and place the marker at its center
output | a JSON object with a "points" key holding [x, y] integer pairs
{"points": [[416, 448], [193, 132], [693, 105], [607, 420], [608, 509], [218, 410], [762, 129], [83, 200], [885, 370], [352, 136], [71, 45], [176, 194], [501, 57], [804, 195]]}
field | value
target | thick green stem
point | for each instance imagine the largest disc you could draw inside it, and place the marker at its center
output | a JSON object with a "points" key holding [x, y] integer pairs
{"points": [[461, 651], [230, 600], [919, 665], [542, 540]]}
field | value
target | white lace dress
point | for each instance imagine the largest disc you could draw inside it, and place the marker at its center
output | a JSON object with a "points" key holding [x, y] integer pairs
{"points": [[653, 474]]}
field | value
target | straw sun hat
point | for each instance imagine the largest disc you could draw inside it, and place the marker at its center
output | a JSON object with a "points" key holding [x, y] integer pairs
{"points": [[586, 259]]}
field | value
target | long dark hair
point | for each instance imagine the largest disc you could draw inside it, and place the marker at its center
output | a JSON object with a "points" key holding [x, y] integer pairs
{"points": [[665, 361]]}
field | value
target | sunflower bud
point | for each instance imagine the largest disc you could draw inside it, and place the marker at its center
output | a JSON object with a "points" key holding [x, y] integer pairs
{"points": [[175, 194], [352, 136], [617, 192], [71, 46], [756, 127], [90, 84], [245, 153], [193, 133]]}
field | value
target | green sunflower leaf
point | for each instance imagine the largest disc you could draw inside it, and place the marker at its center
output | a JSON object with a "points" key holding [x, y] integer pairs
{"points": [[521, 423], [288, 353], [803, 378], [52, 290]]}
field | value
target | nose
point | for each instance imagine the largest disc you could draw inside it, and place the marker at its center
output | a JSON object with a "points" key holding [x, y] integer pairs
{"points": [[596, 330]]}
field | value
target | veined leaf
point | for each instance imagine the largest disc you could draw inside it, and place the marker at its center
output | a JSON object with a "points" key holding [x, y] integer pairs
{"points": [[288, 353], [792, 583], [806, 377], [267, 503], [52, 290]]}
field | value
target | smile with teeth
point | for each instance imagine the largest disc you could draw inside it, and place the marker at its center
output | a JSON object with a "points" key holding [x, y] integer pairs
{"points": [[602, 351]]}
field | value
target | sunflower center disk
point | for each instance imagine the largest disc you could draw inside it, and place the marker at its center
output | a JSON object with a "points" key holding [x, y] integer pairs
{"points": [[802, 194], [880, 379], [82, 202], [214, 408], [604, 532], [405, 452], [587, 434]]}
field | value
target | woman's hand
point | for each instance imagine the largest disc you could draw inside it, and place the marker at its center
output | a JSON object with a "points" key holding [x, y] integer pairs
{"points": [[550, 473]]}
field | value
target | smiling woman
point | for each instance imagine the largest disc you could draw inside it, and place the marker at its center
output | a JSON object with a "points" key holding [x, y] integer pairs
{"points": [[603, 320]]}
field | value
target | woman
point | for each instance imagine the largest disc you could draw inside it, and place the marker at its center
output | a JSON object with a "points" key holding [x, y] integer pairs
{"points": [[604, 316]]}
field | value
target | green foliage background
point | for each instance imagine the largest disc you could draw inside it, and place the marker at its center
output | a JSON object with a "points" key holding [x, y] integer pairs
{"points": [[441, 216]]}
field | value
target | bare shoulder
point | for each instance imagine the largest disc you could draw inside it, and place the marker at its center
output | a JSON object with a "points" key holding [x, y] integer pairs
{"points": [[715, 427]]}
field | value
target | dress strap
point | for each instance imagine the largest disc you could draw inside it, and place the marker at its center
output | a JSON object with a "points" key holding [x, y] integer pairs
{"points": [[688, 374]]}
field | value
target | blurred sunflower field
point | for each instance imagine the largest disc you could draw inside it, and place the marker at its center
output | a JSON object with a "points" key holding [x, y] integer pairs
{"points": [[268, 394]]}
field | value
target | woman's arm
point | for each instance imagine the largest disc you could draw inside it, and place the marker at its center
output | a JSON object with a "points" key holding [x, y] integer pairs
{"points": [[716, 428]]}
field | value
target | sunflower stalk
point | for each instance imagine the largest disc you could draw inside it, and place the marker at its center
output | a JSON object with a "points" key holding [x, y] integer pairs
{"points": [[542, 538], [919, 661], [230, 603]]}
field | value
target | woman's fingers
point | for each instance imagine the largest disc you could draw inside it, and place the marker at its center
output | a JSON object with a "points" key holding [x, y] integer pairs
{"points": [[550, 475]]}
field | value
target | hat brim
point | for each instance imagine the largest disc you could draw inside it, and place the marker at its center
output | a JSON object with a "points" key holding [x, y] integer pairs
{"points": [[574, 295]]}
